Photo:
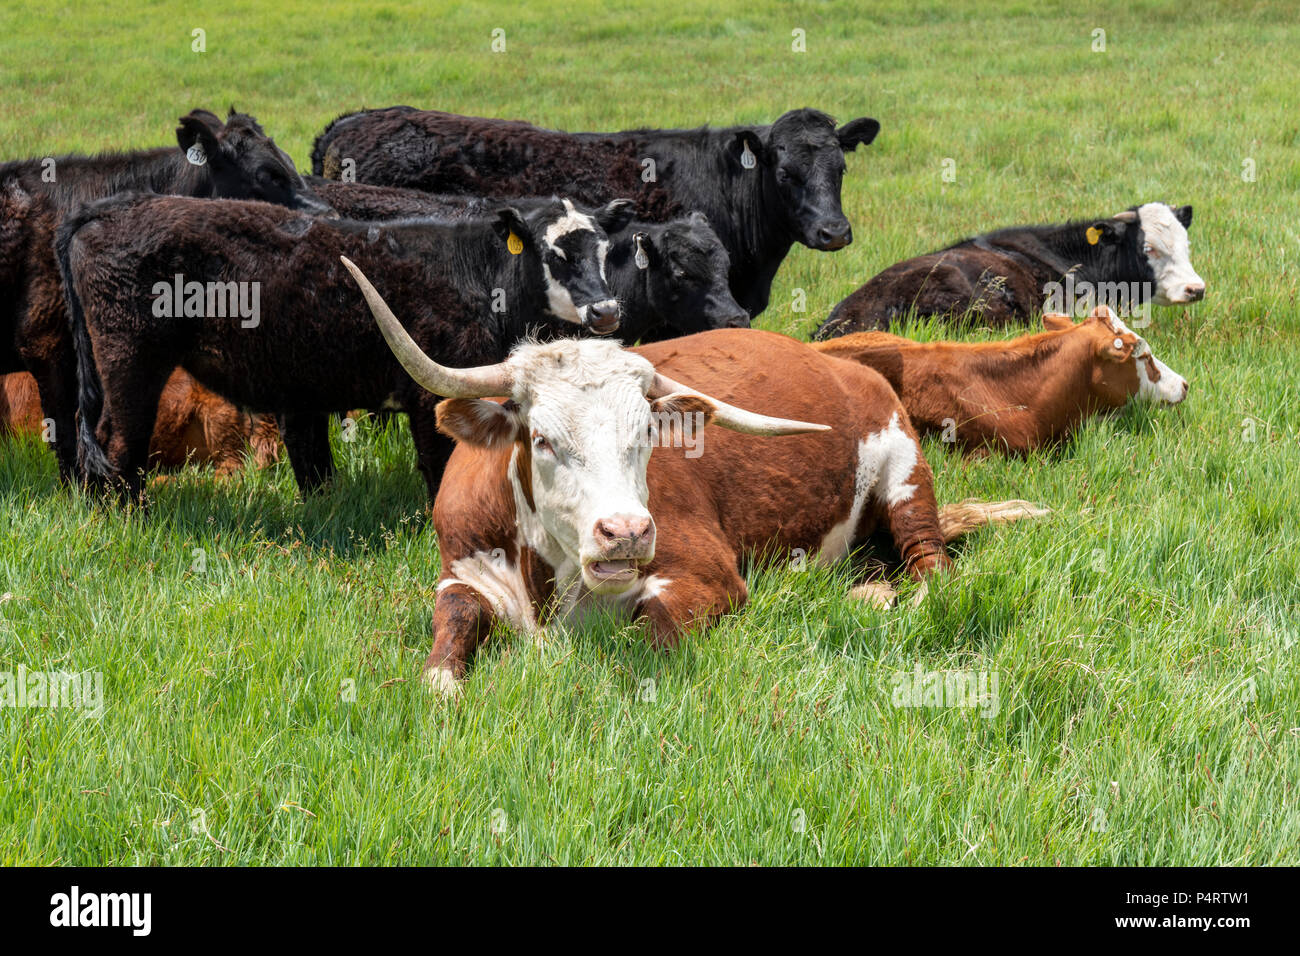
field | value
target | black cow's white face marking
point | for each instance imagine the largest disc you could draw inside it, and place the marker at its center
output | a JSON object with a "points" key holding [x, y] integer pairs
{"points": [[1168, 252], [573, 267]]}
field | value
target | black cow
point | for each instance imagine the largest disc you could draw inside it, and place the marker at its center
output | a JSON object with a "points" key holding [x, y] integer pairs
{"points": [[233, 159], [1004, 277], [763, 188], [670, 278], [252, 300]]}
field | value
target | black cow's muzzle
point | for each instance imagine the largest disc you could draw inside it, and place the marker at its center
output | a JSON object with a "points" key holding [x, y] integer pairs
{"points": [[601, 317]]}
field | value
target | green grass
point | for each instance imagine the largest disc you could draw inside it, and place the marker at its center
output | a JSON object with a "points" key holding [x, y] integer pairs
{"points": [[1145, 639]]}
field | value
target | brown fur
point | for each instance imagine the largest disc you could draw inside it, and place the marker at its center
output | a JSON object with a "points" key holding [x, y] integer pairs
{"points": [[743, 497], [193, 424], [1014, 396]]}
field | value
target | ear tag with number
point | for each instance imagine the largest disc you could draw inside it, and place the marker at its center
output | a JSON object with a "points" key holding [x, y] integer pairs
{"points": [[514, 244], [1094, 235], [196, 155], [642, 260], [747, 158]]}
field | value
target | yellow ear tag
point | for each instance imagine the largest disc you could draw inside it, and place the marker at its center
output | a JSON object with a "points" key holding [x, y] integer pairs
{"points": [[1094, 235], [514, 244]]}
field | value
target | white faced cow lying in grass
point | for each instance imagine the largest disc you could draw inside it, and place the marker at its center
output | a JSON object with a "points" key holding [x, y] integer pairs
{"points": [[1006, 276], [1018, 395], [553, 502]]}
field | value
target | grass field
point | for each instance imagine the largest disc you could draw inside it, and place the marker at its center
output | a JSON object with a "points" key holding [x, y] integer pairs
{"points": [[260, 697]]}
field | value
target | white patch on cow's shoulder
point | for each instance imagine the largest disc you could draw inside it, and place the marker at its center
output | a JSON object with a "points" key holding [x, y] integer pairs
{"points": [[500, 583], [1169, 253], [886, 461]]}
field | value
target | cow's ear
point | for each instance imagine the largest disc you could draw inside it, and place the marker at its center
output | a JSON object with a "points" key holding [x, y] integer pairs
{"points": [[681, 417], [859, 131], [614, 217], [510, 222], [1184, 215], [747, 149], [1057, 321], [200, 129], [1109, 231], [477, 422]]}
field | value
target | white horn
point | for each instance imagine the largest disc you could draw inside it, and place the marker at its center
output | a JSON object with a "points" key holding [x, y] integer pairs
{"points": [[1128, 215], [737, 419], [481, 382]]}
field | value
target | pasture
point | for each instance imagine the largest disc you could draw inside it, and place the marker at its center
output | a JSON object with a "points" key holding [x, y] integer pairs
{"points": [[259, 654]]}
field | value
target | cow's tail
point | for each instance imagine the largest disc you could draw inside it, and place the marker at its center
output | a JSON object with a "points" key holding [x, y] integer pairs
{"points": [[963, 517], [91, 460]]}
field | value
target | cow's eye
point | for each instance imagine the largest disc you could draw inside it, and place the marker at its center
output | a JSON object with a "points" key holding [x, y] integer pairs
{"points": [[1150, 250], [541, 444]]}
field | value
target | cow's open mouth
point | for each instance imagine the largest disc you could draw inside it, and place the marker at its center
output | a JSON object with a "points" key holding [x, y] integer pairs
{"points": [[614, 571]]}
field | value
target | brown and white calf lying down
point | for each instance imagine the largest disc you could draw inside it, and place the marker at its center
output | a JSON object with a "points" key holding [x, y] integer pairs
{"points": [[553, 503], [194, 425], [1018, 395], [1005, 277]]}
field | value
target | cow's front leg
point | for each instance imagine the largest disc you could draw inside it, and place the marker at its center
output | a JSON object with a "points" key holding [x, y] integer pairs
{"points": [[462, 620], [679, 601]]}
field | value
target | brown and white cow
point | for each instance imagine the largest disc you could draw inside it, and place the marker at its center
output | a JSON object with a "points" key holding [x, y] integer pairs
{"points": [[194, 425], [1020, 394], [553, 505]]}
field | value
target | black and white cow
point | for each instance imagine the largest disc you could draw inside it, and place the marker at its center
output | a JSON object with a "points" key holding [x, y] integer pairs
{"points": [[152, 284], [1140, 255]]}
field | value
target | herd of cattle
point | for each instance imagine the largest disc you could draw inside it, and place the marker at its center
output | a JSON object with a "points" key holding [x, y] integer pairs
{"points": [[490, 279]]}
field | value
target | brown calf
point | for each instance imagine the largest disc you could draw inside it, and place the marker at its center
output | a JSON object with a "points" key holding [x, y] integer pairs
{"points": [[1020, 394]]}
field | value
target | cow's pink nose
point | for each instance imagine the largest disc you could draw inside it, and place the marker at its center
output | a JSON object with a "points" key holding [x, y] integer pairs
{"points": [[1195, 291], [623, 530]]}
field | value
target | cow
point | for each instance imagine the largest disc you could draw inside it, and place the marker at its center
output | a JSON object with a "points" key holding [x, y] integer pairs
{"points": [[193, 426], [250, 299], [232, 159], [670, 278], [1140, 255], [763, 188], [1019, 395], [597, 485]]}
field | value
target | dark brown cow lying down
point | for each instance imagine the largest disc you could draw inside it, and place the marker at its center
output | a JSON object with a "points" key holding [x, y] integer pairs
{"points": [[553, 506], [1018, 395], [194, 425], [1140, 255]]}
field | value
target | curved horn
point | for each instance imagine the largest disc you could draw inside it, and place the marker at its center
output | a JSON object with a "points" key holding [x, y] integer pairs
{"points": [[737, 419], [1128, 215], [478, 382]]}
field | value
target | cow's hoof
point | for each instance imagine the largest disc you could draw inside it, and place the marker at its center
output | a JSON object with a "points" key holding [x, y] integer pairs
{"points": [[440, 682], [877, 594]]}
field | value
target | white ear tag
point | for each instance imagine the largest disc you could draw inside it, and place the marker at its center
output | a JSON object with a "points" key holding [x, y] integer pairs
{"points": [[641, 259], [1119, 345], [195, 155], [747, 158]]}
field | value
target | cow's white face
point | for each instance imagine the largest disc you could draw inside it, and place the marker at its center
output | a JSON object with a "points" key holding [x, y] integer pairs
{"points": [[1124, 365], [1157, 382], [583, 431], [1168, 252]]}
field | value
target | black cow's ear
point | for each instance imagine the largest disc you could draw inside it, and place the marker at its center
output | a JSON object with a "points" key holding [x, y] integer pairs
{"points": [[857, 131], [747, 149], [512, 229], [1184, 215], [1109, 231], [615, 216], [197, 135]]}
